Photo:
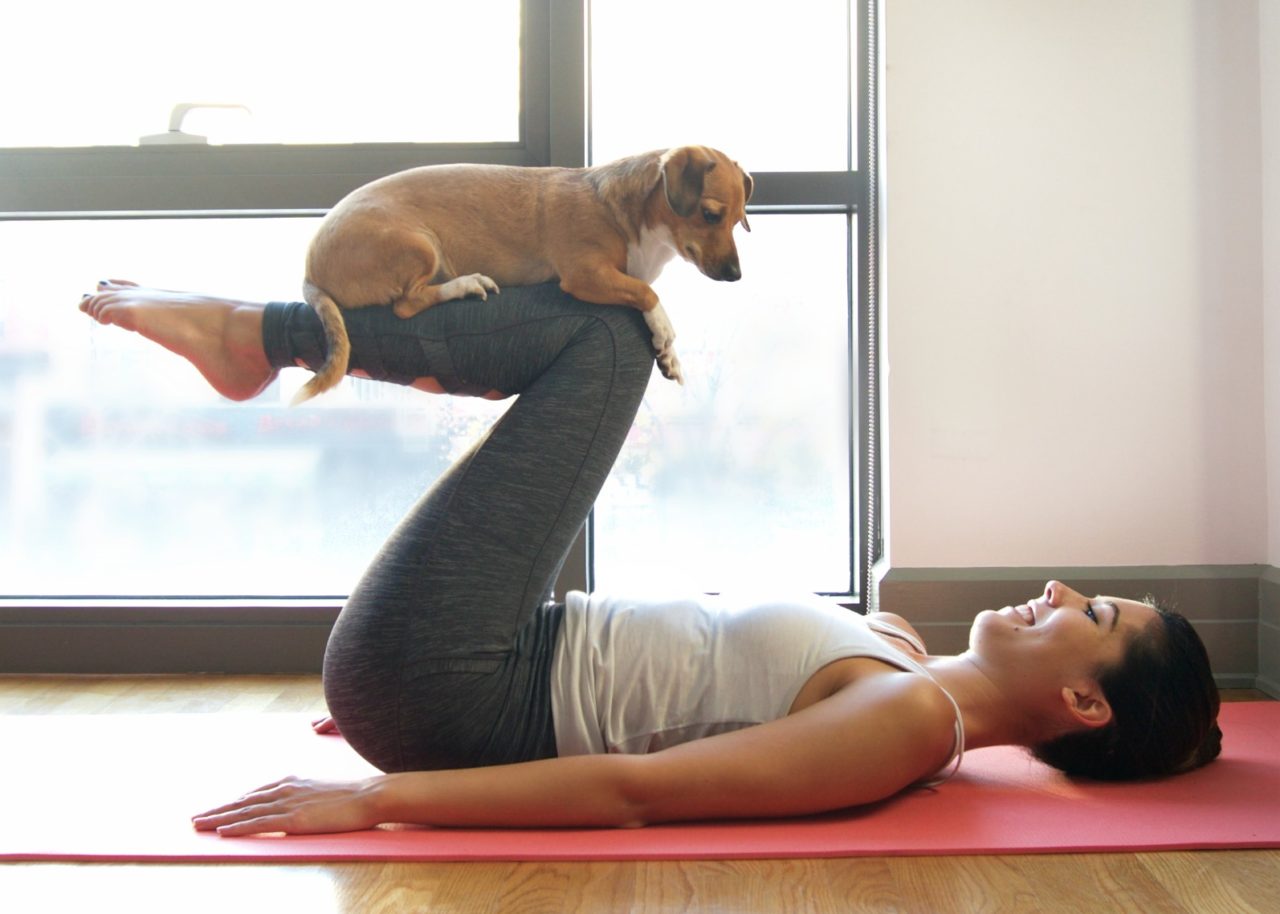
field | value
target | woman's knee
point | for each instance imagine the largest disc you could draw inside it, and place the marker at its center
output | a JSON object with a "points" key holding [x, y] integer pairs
{"points": [[621, 334]]}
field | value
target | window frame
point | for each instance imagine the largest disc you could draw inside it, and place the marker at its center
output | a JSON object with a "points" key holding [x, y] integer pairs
{"points": [[243, 634]]}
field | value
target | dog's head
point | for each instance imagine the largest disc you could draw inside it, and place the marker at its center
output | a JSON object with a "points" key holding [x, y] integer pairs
{"points": [[707, 193]]}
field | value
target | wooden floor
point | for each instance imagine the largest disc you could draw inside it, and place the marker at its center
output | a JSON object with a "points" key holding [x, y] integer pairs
{"points": [[1191, 882]]}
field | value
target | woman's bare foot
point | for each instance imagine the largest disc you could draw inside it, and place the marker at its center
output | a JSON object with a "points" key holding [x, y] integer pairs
{"points": [[220, 337]]}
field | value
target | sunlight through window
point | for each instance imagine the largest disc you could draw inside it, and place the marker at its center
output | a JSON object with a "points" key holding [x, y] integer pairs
{"points": [[310, 72]]}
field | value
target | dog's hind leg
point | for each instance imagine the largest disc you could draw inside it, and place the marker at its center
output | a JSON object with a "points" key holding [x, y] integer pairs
{"points": [[426, 276], [422, 294]]}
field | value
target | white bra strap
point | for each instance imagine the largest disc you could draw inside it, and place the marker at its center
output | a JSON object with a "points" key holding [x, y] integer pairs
{"points": [[954, 762], [888, 628]]}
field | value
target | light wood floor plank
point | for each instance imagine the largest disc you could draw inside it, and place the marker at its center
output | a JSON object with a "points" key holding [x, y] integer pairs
{"points": [[1247, 882], [982, 885]]}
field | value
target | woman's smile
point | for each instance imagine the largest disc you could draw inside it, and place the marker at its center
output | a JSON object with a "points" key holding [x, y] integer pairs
{"points": [[1026, 613]]}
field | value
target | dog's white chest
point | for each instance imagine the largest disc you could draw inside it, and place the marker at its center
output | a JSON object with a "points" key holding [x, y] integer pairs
{"points": [[646, 259]]}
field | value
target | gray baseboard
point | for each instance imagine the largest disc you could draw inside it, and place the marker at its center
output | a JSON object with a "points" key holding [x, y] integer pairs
{"points": [[1269, 632], [1235, 608]]}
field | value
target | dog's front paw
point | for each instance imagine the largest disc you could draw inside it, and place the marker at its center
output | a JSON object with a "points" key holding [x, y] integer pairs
{"points": [[669, 365], [663, 333]]}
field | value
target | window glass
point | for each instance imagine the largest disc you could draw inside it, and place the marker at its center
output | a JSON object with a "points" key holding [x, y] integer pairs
{"points": [[741, 477], [94, 74], [767, 84], [123, 473]]}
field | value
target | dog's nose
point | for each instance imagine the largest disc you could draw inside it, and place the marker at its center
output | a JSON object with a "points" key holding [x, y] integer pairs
{"points": [[730, 272]]}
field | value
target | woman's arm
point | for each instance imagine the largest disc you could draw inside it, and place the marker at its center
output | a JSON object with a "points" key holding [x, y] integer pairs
{"points": [[864, 743], [884, 731], [581, 790]]}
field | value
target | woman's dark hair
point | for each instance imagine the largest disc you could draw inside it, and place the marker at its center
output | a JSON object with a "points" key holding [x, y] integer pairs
{"points": [[1164, 706]]}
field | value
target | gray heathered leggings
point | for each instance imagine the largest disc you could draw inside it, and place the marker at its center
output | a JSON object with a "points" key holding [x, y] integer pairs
{"points": [[441, 656]]}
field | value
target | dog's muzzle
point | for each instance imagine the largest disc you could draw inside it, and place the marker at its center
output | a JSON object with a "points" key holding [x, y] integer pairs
{"points": [[730, 272]]}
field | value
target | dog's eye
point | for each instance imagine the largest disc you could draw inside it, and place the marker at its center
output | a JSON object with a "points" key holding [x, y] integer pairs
{"points": [[712, 218]]}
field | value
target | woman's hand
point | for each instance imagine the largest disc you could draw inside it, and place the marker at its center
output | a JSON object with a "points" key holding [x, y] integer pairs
{"points": [[296, 807], [325, 724]]}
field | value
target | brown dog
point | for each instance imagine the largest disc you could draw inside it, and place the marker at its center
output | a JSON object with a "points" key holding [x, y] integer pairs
{"points": [[427, 235]]}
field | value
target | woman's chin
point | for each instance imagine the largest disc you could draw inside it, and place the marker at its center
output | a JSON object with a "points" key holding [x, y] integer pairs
{"points": [[986, 618], [987, 624]]}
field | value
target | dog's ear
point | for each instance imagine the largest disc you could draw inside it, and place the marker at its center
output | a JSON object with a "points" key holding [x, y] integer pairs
{"points": [[748, 185], [683, 172]]}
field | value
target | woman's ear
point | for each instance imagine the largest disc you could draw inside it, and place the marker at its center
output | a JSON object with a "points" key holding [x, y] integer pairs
{"points": [[1087, 705]]}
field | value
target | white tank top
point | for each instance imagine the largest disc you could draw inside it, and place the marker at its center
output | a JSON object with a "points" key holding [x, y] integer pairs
{"points": [[640, 676]]}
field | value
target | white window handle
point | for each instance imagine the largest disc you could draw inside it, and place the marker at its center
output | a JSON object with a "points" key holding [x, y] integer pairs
{"points": [[175, 136]]}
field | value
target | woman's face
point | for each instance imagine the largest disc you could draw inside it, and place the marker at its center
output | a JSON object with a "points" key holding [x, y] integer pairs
{"points": [[1059, 640]]}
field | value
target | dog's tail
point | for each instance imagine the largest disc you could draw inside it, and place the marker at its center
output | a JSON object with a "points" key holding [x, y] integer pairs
{"points": [[335, 332]]}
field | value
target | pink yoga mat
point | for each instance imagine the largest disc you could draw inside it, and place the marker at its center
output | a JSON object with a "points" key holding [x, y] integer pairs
{"points": [[116, 788]]}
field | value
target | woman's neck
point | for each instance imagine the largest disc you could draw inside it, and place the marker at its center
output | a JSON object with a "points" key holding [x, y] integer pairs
{"points": [[991, 718]]}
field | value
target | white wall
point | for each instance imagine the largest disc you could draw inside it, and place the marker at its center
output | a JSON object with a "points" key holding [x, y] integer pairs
{"points": [[1073, 284], [1269, 30]]}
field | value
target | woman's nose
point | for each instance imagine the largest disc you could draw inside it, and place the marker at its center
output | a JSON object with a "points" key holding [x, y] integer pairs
{"points": [[1058, 594]]}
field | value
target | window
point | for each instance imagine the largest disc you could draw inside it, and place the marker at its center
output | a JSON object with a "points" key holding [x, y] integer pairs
{"points": [[113, 450], [307, 72]]}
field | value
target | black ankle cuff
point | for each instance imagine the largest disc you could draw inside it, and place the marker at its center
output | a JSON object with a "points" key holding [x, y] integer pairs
{"points": [[291, 332]]}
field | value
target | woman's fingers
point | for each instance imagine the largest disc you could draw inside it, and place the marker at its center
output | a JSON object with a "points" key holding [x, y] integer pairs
{"points": [[254, 797], [234, 806], [234, 816], [324, 725], [252, 821], [262, 825]]}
